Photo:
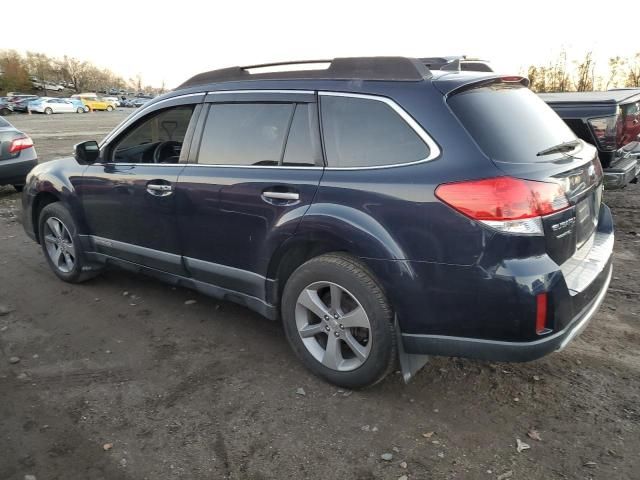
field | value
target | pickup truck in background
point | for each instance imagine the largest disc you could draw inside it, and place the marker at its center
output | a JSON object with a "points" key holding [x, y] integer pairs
{"points": [[609, 120]]}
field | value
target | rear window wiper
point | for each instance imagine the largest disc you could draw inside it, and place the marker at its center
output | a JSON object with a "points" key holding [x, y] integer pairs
{"points": [[560, 148]]}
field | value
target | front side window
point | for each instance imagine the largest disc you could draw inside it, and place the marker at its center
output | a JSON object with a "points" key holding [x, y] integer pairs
{"points": [[157, 138], [364, 132]]}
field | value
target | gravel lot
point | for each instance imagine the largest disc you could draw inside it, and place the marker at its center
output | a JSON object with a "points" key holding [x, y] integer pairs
{"points": [[118, 378]]}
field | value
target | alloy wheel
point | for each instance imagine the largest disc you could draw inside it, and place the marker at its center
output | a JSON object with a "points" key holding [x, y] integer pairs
{"points": [[333, 326], [59, 245]]}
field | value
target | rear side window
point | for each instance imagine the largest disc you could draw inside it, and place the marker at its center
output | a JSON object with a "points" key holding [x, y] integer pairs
{"points": [[363, 132], [510, 123], [303, 143], [245, 134]]}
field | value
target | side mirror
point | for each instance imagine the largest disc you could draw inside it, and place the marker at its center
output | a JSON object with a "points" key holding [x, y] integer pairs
{"points": [[86, 153]]}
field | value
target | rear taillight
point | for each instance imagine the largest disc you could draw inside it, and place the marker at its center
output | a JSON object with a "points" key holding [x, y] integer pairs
{"points": [[19, 144], [507, 204], [608, 131]]}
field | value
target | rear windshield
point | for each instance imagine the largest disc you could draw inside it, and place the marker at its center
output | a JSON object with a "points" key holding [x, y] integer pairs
{"points": [[510, 123]]}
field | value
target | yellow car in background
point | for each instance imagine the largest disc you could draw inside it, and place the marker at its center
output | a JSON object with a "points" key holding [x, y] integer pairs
{"points": [[97, 104]]}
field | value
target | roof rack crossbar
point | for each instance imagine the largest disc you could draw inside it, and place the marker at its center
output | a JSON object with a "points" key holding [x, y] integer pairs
{"points": [[352, 68]]}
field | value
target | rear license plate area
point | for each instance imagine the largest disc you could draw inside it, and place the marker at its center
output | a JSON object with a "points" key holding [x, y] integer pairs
{"points": [[587, 211]]}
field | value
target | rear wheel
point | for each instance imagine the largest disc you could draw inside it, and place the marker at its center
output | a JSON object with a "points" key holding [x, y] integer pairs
{"points": [[61, 245], [339, 322], [109, 108], [48, 111], [80, 110], [5, 111]]}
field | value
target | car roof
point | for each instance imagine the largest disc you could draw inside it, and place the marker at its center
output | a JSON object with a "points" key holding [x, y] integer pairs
{"points": [[610, 96]]}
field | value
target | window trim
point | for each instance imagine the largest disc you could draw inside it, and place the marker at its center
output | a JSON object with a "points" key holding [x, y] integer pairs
{"points": [[434, 149]]}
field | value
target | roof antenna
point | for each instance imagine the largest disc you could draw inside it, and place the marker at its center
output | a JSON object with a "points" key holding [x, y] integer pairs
{"points": [[457, 66]]}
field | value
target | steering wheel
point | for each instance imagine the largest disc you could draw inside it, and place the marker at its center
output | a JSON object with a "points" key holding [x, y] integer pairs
{"points": [[165, 151]]}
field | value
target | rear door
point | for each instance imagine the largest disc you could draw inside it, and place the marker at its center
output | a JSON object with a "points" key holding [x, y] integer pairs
{"points": [[258, 167]]}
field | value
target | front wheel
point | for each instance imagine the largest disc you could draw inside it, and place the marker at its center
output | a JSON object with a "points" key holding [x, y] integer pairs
{"points": [[48, 111], [80, 110], [109, 108], [61, 245], [338, 321]]}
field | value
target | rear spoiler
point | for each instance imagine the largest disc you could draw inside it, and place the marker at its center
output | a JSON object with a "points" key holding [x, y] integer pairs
{"points": [[484, 82]]}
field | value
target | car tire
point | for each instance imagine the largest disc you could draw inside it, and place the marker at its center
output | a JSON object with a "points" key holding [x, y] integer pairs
{"points": [[5, 111], [61, 245], [48, 111], [109, 108], [352, 307], [80, 110]]}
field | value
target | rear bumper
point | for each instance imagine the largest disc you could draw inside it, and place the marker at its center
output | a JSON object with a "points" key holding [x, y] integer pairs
{"points": [[14, 172], [620, 173], [488, 312], [500, 351]]}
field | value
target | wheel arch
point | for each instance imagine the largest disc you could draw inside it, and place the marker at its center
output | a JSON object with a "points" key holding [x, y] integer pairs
{"points": [[41, 200], [346, 231]]}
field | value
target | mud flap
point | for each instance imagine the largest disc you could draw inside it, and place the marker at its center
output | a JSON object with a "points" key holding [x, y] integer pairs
{"points": [[410, 363]]}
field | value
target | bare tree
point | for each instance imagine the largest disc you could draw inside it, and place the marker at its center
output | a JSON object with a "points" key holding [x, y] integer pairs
{"points": [[42, 67], [585, 73], [616, 65], [75, 71], [633, 72]]}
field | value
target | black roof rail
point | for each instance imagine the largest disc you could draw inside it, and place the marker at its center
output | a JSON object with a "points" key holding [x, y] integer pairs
{"points": [[399, 69]]}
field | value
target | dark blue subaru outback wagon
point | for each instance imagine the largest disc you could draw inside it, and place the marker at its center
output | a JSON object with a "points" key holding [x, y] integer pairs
{"points": [[381, 210]]}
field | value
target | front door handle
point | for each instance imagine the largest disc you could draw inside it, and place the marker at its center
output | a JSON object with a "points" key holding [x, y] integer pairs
{"points": [[159, 190], [282, 195]]}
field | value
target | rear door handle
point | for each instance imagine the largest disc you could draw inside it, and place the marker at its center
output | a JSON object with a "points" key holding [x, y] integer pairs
{"points": [[282, 195], [159, 190]]}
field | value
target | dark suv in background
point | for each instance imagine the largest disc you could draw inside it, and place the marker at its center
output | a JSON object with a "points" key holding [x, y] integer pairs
{"points": [[609, 120], [380, 209]]}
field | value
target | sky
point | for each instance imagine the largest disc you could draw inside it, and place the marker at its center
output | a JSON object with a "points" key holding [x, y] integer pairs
{"points": [[169, 41]]}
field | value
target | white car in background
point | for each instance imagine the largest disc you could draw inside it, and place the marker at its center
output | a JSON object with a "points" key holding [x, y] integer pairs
{"points": [[55, 105], [113, 100], [55, 87]]}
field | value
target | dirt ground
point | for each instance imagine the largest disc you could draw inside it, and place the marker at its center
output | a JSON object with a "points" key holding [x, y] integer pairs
{"points": [[208, 390]]}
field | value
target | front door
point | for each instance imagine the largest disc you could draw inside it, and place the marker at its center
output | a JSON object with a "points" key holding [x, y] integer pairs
{"points": [[259, 166], [129, 199]]}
